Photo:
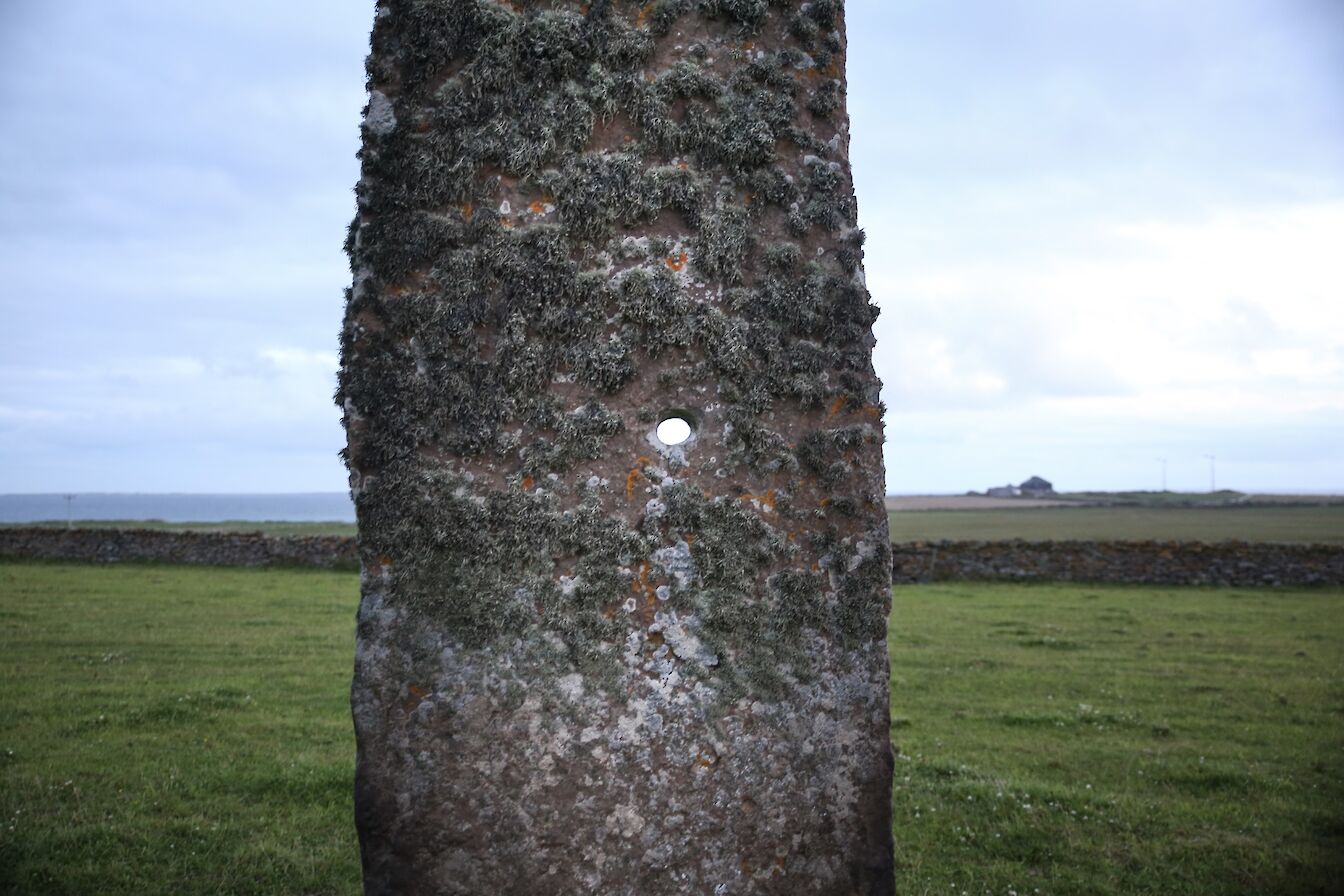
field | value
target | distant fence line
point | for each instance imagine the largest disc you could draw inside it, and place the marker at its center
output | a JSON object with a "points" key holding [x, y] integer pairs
{"points": [[1124, 562]]}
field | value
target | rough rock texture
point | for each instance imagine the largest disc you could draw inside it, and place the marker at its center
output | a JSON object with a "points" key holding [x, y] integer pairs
{"points": [[587, 661]]}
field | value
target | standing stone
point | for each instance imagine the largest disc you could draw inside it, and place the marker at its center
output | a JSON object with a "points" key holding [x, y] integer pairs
{"points": [[591, 660]]}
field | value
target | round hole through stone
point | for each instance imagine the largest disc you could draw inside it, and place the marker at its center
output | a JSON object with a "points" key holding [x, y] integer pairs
{"points": [[674, 430]]}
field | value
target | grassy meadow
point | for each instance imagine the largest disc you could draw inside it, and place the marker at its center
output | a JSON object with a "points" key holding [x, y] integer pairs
{"points": [[1067, 739], [172, 730], [175, 730], [1321, 524]]}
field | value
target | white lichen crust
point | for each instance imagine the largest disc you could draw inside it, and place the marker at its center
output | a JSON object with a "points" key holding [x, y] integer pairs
{"points": [[588, 662]]}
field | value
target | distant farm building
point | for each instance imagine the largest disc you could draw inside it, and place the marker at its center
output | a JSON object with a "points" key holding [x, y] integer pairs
{"points": [[1036, 487]]}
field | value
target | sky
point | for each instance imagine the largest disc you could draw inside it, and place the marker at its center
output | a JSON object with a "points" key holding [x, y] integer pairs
{"points": [[1103, 235]]}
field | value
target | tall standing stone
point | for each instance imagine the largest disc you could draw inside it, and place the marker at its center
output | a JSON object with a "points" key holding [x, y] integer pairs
{"points": [[590, 660]]}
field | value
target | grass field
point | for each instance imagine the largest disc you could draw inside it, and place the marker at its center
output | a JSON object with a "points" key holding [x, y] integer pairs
{"points": [[1319, 524], [181, 731], [175, 730], [1078, 740]]}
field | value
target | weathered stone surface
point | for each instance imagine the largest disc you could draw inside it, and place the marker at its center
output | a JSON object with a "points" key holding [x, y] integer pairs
{"points": [[589, 661]]}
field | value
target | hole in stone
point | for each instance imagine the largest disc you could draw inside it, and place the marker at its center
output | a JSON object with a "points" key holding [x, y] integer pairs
{"points": [[674, 430]]}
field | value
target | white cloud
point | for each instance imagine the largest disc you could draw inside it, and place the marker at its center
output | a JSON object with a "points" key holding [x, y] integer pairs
{"points": [[1145, 313]]}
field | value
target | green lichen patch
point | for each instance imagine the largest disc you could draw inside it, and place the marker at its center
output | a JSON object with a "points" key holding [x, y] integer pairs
{"points": [[573, 217]]}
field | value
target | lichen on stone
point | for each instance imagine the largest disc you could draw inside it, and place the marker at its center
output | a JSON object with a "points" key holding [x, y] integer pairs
{"points": [[573, 220]]}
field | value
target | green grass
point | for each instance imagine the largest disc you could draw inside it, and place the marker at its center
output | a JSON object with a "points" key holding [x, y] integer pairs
{"points": [[1320, 524], [186, 730], [271, 527], [1078, 740], [175, 730]]}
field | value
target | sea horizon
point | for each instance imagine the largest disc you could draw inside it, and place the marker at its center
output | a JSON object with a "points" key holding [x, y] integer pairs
{"points": [[179, 507]]}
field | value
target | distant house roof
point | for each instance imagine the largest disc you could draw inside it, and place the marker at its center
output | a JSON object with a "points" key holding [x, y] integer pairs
{"points": [[1036, 484]]}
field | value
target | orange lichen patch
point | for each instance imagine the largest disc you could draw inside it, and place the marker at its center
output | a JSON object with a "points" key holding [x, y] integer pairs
{"points": [[816, 567], [767, 500], [538, 206], [793, 536], [506, 223], [825, 502], [643, 16], [684, 166], [636, 472], [678, 261], [748, 45], [705, 760], [872, 410], [835, 407], [646, 607], [749, 199], [467, 209], [414, 697], [641, 584], [528, 482], [744, 867]]}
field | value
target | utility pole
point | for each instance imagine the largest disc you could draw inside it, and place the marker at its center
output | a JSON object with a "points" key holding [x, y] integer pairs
{"points": [[1213, 487]]}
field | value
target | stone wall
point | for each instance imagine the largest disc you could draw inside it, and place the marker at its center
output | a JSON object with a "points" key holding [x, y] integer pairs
{"points": [[192, 548], [1125, 562], [1120, 562]]}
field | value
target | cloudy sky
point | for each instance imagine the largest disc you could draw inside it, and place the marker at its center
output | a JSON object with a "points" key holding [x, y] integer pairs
{"points": [[1101, 233]]}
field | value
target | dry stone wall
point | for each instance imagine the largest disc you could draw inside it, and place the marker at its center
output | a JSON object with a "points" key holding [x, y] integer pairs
{"points": [[1120, 562], [190, 548], [1236, 563]]}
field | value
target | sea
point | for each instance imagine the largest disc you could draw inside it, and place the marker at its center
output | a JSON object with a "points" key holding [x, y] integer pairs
{"points": [[299, 507]]}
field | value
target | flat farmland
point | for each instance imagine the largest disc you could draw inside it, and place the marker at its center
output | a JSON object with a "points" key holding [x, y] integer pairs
{"points": [[175, 730], [1320, 524]]}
